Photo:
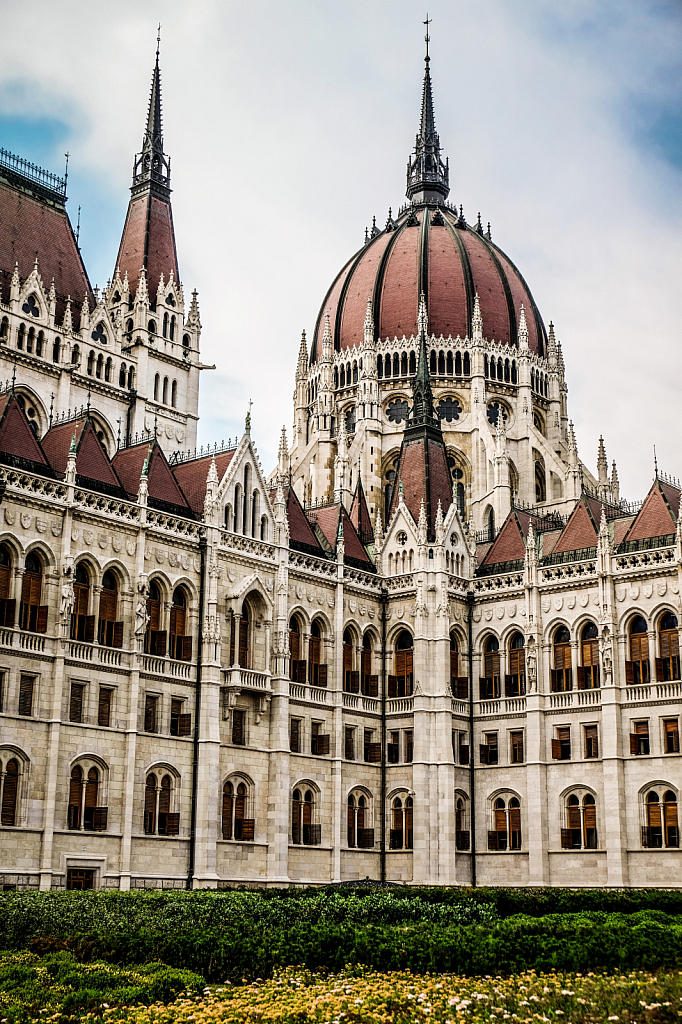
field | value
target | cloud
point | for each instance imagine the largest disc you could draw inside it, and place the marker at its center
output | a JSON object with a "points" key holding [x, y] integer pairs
{"points": [[289, 126]]}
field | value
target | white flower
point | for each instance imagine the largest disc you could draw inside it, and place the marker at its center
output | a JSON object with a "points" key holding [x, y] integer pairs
{"points": [[613, 1018], [567, 992]]}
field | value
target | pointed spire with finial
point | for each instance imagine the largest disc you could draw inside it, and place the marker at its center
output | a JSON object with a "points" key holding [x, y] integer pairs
{"points": [[152, 164], [551, 346], [327, 341], [615, 484], [523, 330], [422, 524], [422, 317], [302, 366], [428, 178], [422, 408], [477, 321], [369, 324], [440, 524], [602, 463]]}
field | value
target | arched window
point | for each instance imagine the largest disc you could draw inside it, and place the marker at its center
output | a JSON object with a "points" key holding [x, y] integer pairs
{"points": [[228, 517], [255, 508], [396, 364], [668, 665], [158, 817], [9, 797], [107, 369], [358, 832], [7, 605], [401, 684], [263, 527], [129, 327], [75, 798], [506, 831], [317, 672], [491, 524], [448, 362], [21, 336], [155, 637], [654, 825], [462, 840], [75, 355], [83, 810], [432, 362], [490, 681], [506, 371], [413, 364], [236, 823], [100, 366], [30, 339], [4, 330], [151, 326], [562, 673], [40, 341], [243, 653], [403, 365], [401, 832], [515, 682], [245, 506], [165, 325], [297, 664], [351, 679], [467, 364], [637, 669], [174, 393], [180, 644], [32, 615], [304, 829], [380, 367], [588, 672], [82, 624], [369, 684], [441, 364], [514, 378], [355, 373], [581, 823], [122, 376], [661, 828], [109, 631], [186, 341], [172, 328], [459, 683], [131, 377], [343, 376], [670, 826], [164, 398], [237, 506], [540, 483]]}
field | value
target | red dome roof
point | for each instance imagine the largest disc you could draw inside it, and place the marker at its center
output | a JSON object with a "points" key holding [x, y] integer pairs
{"points": [[450, 262]]}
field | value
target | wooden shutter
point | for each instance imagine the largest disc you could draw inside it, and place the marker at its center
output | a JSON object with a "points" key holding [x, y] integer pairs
{"points": [[454, 664], [161, 644], [41, 621], [408, 828], [554, 680], [238, 727], [239, 805], [484, 753], [10, 612], [248, 829], [154, 612], [639, 647], [392, 686], [556, 750], [373, 687], [296, 821], [301, 671], [294, 645], [295, 735], [26, 695], [462, 688], [365, 838], [187, 648], [314, 650], [76, 703], [173, 824], [91, 788], [566, 839], [590, 815], [574, 817], [581, 677], [629, 673], [9, 794], [670, 815], [315, 835], [149, 806], [227, 811], [672, 736], [654, 815], [482, 688], [5, 576], [591, 741], [118, 634], [75, 790], [508, 686], [104, 707], [515, 819], [492, 840], [634, 743], [184, 725], [322, 675], [99, 819], [659, 667], [354, 681], [89, 633], [517, 663], [492, 665], [500, 821], [373, 753], [150, 714]]}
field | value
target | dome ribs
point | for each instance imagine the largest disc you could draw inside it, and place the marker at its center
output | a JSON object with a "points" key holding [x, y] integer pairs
{"points": [[379, 281], [465, 263], [331, 303], [494, 295], [399, 298], [423, 282], [359, 284], [537, 344]]}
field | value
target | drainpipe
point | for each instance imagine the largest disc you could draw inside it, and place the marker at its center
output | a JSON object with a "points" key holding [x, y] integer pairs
{"points": [[472, 770], [382, 841], [197, 712]]}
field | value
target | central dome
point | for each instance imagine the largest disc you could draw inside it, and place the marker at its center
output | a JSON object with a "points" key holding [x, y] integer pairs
{"points": [[431, 250]]}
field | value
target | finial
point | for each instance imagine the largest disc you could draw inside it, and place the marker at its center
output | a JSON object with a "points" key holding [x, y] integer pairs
{"points": [[158, 41], [248, 418], [427, 37], [655, 459], [72, 447], [52, 407]]}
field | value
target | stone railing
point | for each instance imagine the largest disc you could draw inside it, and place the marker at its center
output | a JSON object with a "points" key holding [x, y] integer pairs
{"points": [[246, 678], [311, 564], [173, 524], [588, 697], [168, 667], [362, 579], [561, 700], [460, 707], [507, 581], [404, 581], [105, 505], [310, 694], [568, 571], [400, 706], [76, 650], [644, 559], [249, 545], [37, 486]]}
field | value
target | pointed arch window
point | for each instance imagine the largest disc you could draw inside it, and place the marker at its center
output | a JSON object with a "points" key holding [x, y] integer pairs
{"points": [[588, 671], [462, 840], [562, 673], [7, 604], [369, 682], [109, 631], [401, 684], [358, 832], [165, 325], [159, 819], [84, 812], [506, 831], [174, 394], [490, 681], [172, 328], [668, 665], [82, 624], [317, 672], [637, 670], [401, 831], [21, 336], [297, 664], [304, 829], [515, 682], [351, 679], [380, 366], [180, 643], [40, 343], [122, 379], [4, 329], [155, 637], [164, 398], [459, 683], [580, 832], [91, 363], [32, 615], [100, 367], [9, 782]]}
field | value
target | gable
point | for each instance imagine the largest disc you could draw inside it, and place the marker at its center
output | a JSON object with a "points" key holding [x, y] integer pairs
{"points": [[92, 462], [301, 534], [17, 440], [655, 518], [191, 477], [509, 545], [128, 463], [163, 486], [579, 532]]}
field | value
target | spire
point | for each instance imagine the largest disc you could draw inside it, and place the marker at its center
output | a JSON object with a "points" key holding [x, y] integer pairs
{"points": [[551, 346], [523, 330], [602, 463], [572, 446], [440, 524], [422, 317], [369, 324], [428, 178], [422, 408], [302, 367], [421, 524], [152, 164], [615, 484], [477, 321], [327, 343]]}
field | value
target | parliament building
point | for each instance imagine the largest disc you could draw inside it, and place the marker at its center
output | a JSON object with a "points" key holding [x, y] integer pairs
{"points": [[429, 646]]}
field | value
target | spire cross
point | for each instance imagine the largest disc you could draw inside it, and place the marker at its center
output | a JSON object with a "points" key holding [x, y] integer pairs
{"points": [[158, 39], [427, 37]]}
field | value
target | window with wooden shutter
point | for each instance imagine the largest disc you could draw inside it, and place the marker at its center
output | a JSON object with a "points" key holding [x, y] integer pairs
{"points": [[294, 654], [500, 825], [373, 686], [517, 747], [392, 686], [239, 812], [350, 821], [5, 581], [296, 818], [590, 824], [514, 827], [104, 706], [75, 797], [76, 702], [404, 673], [671, 729], [10, 792], [639, 657], [354, 682], [321, 679], [41, 619], [654, 821], [91, 793], [588, 679], [248, 829], [463, 748], [81, 593], [150, 805], [177, 717], [561, 745], [164, 806], [349, 743], [295, 735], [461, 691], [314, 659], [490, 748], [178, 617], [227, 810], [562, 675], [151, 704], [118, 635], [106, 627], [172, 824], [29, 611], [154, 621], [409, 833], [672, 832], [668, 665], [160, 650], [591, 741], [89, 633], [244, 641], [365, 838], [348, 665], [99, 820], [26, 686], [238, 730], [10, 613], [393, 748], [515, 682], [307, 818], [492, 840], [491, 687], [639, 738], [409, 745], [566, 839]]}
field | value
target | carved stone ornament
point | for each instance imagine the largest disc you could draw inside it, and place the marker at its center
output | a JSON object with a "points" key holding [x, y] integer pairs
{"points": [[399, 611], [558, 603], [88, 536], [160, 555], [370, 612], [661, 587], [269, 584], [363, 609], [499, 611], [130, 546], [41, 525], [648, 589], [488, 614], [299, 592], [634, 592], [26, 519], [56, 528], [389, 614], [180, 434], [174, 559], [546, 604], [584, 600], [352, 604], [320, 599], [311, 596], [477, 614], [570, 602], [511, 611], [169, 430], [10, 516], [620, 593], [117, 543], [231, 575], [197, 565], [74, 533], [330, 600], [102, 540], [675, 587]]}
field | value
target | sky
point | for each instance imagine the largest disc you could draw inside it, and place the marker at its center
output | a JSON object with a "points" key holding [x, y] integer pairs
{"points": [[289, 125]]}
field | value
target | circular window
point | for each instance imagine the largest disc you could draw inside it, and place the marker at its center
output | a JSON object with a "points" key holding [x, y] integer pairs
{"points": [[454, 539], [397, 410], [494, 410], [402, 538], [449, 409]]}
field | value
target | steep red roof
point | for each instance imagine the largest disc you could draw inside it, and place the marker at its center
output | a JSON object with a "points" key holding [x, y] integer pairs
{"points": [[301, 534], [509, 545], [31, 226], [359, 514], [450, 263], [192, 477], [92, 461], [17, 440], [581, 529], [327, 519], [412, 471], [148, 241], [162, 485], [656, 518]]}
